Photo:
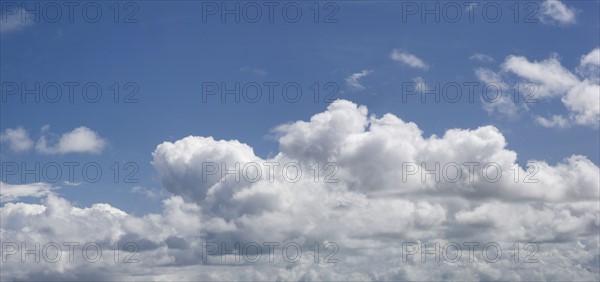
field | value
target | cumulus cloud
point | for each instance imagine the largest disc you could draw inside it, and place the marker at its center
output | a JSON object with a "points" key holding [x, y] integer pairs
{"points": [[352, 80], [408, 59], [369, 202], [79, 140], [589, 66], [548, 79], [18, 139], [552, 77], [554, 11], [13, 21]]}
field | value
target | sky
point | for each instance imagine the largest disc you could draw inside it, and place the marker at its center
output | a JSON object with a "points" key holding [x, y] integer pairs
{"points": [[116, 120]]}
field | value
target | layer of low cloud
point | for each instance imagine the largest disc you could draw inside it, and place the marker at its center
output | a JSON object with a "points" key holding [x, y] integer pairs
{"points": [[10, 192], [369, 211]]}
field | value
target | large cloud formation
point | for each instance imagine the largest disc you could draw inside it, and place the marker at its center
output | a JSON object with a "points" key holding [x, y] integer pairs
{"points": [[375, 196]]}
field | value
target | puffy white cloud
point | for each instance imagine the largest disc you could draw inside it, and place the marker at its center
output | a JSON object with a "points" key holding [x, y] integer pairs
{"points": [[583, 103], [549, 74], [180, 165], [554, 11], [352, 80], [408, 59], [589, 66], [368, 205], [18, 139], [548, 79], [79, 140]]}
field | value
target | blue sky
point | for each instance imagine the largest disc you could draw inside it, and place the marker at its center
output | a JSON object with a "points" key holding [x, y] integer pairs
{"points": [[169, 52]]}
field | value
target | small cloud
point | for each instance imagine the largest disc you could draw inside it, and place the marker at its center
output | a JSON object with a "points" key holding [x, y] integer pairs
{"points": [[555, 121], [352, 80], [256, 71], [11, 192], [408, 59], [420, 84], [553, 11], [69, 183], [18, 139], [80, 140], [148, 193], [13, 21], [482, 58]]}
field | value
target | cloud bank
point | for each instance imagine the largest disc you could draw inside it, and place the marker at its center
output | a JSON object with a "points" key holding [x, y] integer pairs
{"points": [[379, 192]]}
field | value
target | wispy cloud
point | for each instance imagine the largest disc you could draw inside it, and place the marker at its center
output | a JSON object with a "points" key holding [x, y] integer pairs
{"points": [[482, 58], [148, 193], [13, 21], [352, 80], [256, 71], [408, 59], [554, 121]]}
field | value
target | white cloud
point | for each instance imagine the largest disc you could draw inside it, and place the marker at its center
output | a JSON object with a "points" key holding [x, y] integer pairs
{"points": [[589, 66], [369, 212], [583, 103], [420, 84], [12, 192], [554, 121], [482, 58], [553, 11], [550, 75], [503, 104], [146, 192], [18, 139], [549, 79], [69, 183], [408, 59], [13, 21], [80, 140], [352, 80]]}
